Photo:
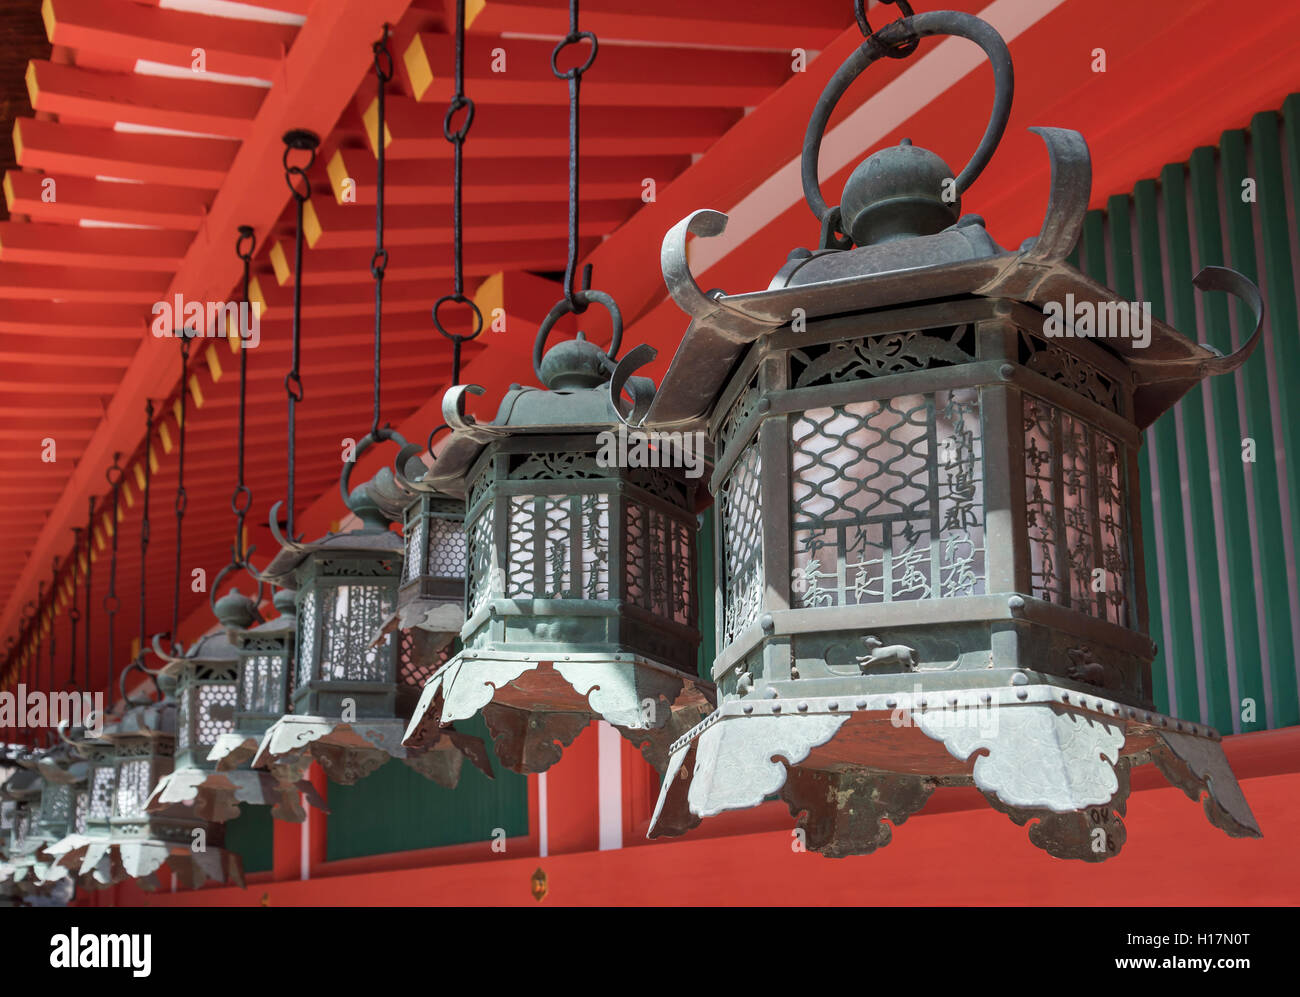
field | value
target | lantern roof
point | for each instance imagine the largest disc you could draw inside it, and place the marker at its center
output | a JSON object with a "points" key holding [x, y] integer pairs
{"points": [[284, 624], [579, 398], [373, 537], [958, 261]]}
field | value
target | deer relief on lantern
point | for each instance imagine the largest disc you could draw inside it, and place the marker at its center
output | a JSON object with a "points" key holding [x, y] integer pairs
{"points": [[355, 684], [208, 681], [929, 570], [581, 599]]}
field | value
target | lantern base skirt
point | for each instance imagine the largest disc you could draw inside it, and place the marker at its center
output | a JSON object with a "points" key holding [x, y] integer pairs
{"points": [[107, 863], [851, 768], [535, 708], [442, 619], [350, 751], [216, 796], [234, 750]]}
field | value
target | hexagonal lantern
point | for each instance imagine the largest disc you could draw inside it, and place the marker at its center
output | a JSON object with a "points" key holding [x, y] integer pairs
{"points": [[431, 596], [126, 840], [930, 561], [351, 699], [208, 681], [581, 600], [262, 698], [64, 801], [20, 808]]}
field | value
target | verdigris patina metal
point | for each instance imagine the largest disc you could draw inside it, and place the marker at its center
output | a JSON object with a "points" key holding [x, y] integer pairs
{"points": [[581, 602], [208, 683], [123, 840], [930, 568], [353, 694]]}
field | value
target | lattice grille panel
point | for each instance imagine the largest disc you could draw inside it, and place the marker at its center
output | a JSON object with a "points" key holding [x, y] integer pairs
{"points": [[740, 508], [353, 614], [101, 791], [448, 549], [216, 704], [132, 787], [660, 553], [261, 680], [481, 560], [1074, 499], [559, 547], [888, 501]]}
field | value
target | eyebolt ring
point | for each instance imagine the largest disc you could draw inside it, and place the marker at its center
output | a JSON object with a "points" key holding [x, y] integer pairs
{"points": [[565, 42], [459, 299]]}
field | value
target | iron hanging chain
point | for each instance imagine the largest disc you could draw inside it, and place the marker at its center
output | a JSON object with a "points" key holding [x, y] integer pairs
{"points": [[182, 500], [241, 499], [144, 521], [897, 50], [300, 187], [111, 601], [575, 301], [54, 596], [90, 532], [74, 614], [459, 102], [379, 261]]}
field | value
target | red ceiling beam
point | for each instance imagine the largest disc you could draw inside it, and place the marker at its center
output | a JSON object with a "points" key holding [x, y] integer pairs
{"points": [[520, 132], [220, 109], [83, 151], [70, 199], [110, 249], [635, 75], [776, 24], [315, 82], [410, 181], [422, 262], [128, 30], [34, 281]]}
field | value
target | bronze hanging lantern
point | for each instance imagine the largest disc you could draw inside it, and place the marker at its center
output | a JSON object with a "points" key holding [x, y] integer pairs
{"points": [[930, 562], [138, 842], [207, 680], [581, 591], [581, 601], [350, 700], [352, 694], [265, 665]]}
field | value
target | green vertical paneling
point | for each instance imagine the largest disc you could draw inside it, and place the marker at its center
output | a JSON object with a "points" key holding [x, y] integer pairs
{"points": [[1124, 281], [395, 809], [252, 836], [1263, 474], [1204, 552], [1240, 580], [705, 578], [1285, 339], [1178, 646]]}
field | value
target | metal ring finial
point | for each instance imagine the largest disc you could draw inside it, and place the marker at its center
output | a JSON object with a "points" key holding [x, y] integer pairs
{"points": [[888, 42]]}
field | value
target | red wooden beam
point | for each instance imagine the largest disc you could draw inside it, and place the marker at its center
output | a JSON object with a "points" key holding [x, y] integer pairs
{"points": [[72, 198], [316, 81], [638, 75], [775, 24], [220, 109], [82, 151], [515, 131], [239, 48]]}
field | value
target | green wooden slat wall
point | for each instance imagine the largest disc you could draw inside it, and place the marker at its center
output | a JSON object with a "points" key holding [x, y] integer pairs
{"points": [[251, 835], [1220, 530], [395, 809]]}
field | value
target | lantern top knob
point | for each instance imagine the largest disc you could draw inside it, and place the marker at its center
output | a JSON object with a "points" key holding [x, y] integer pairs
{"points": [[364, 501], [899, 193], [574, 363], [235, 610], [283, 601]]}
